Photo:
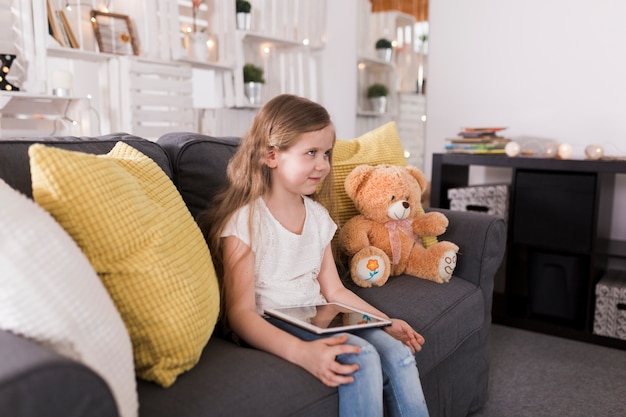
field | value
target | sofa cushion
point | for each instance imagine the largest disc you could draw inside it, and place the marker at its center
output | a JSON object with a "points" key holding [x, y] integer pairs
{"points": [[132, 224], [50, 293], [232, 380], [445, 314]]}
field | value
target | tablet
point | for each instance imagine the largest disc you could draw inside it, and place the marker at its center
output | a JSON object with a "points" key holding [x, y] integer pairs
{"points": [[327, 318]]}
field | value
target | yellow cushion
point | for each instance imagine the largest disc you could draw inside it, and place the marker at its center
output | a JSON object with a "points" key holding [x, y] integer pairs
{"points": [[133, 226]]}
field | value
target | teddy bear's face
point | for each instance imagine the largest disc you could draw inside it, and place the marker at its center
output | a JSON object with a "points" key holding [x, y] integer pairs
{"points": [[388, 193]]}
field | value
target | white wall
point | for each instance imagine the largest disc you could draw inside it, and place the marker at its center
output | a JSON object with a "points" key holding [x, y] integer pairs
{"points": [[553, 69]]}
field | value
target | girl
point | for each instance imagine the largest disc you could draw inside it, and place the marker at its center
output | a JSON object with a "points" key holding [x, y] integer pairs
{"points": [[271, 244]]}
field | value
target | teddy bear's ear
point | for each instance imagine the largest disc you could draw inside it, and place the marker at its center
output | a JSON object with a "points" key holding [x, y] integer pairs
{"points": [[355, 178], [419, 176]]}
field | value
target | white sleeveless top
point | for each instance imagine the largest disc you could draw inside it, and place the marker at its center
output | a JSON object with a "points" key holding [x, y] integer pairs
{"points": [[286, 264]]}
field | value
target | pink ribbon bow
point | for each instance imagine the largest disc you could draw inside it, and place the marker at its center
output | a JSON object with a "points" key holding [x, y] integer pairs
{"points": [[394, 236]]}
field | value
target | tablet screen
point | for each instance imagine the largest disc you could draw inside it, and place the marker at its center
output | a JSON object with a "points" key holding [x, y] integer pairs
{"points": [[327, 318]]}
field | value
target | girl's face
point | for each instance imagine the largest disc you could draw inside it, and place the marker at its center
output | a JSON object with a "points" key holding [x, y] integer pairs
{"points": [[302, 167]]}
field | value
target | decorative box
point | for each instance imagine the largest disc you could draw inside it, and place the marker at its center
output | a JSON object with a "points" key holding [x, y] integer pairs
{"points": [[610, 314], [490, 199]]}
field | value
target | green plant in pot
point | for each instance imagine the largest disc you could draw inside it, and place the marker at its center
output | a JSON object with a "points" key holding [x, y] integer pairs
{"points": [[253, 80], [384, 49], [243, 8], [377, 90], [377, 95]]}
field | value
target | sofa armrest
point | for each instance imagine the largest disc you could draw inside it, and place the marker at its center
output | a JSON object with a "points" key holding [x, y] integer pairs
{"points": [[482, 242], [35, 381]]}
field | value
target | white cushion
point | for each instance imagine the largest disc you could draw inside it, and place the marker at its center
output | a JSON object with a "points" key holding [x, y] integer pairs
{"points": [[50, 293]]}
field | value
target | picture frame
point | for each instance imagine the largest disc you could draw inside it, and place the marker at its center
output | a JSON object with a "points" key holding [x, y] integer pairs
{"points": [[69, 33], [114, 33], [54, 25]]}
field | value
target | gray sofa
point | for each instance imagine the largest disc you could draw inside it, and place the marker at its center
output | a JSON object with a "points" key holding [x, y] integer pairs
{"points": [[231, 380]]}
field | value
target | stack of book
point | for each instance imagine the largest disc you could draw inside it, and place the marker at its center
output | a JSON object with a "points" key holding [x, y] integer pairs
{"points": [[478, 140]]}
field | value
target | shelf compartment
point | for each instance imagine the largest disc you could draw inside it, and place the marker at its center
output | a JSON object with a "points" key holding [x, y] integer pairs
{"points": [[554, 209]]}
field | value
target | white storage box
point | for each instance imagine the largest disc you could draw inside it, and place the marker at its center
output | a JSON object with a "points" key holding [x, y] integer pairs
{"points": [[610, 315], [490, 199]]}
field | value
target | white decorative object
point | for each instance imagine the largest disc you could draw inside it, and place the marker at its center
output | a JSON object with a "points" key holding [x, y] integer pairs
{"points": [[61, 83], [536, 147], [253, 92], [565, 151], [198, 49], [50, 293], [594, 152], [512, 149]]}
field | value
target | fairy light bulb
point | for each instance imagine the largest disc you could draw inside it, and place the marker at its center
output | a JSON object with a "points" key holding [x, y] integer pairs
{"points": [[565, 151], [512, 149], [594, 152]]}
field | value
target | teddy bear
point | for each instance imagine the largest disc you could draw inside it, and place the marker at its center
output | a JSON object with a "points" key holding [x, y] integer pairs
{"points": [[392, 234]]}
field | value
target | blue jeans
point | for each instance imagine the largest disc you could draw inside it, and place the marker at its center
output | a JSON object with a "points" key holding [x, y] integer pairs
{"points": [[387, 372]]}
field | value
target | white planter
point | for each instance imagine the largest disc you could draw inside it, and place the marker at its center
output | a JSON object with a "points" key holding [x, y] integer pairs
{"points": [[384, 54], [378, 104], [243, 21], [197, 48], [253, 92]]}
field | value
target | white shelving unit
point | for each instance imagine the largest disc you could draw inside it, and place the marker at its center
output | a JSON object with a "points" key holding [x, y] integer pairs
{"points": [[162, 88], [25, 115], [411, 122], [404, 105]]}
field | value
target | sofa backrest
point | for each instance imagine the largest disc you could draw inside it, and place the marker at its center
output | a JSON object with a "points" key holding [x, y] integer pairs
{"points": [[196, 163], [15, 166], [199, 163]]}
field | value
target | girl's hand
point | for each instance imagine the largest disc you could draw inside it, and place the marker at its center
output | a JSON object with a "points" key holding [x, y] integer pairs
{"points": [[318, 357], [402, 331]]}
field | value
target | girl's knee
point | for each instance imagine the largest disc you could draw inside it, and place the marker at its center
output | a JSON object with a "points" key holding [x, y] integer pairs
{"points": [[368, 352], [408, 359]]}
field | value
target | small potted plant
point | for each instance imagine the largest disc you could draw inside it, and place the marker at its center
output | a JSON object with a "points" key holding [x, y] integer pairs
{"points": [[243, 8], [252, 82], [384, 49], [377, 95]]}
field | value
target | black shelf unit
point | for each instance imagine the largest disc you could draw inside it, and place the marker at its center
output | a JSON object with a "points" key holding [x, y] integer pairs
{"points": [[558, 244]]}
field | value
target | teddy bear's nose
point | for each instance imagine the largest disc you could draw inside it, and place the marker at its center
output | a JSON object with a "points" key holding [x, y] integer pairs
{"points": [[406, 204]]}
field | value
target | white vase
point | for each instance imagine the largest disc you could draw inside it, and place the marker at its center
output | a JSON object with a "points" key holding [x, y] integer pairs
{"points": [[197, 48], [378, 104], [384, 54], [243, 21], [253, 92]]}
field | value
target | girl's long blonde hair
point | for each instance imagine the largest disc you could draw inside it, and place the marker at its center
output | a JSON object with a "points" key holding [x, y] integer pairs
{"points": [[278, 125]]}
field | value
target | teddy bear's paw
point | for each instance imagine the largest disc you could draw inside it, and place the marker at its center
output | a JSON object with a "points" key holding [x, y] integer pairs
{"points": [[447, 263], [371, 270]]}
